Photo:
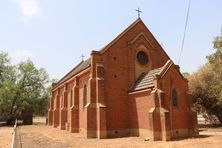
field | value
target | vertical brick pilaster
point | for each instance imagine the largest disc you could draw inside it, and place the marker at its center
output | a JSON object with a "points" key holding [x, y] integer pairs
{"points": [[91, 110], [50, 117], [195, 128], [96, 109], [193, 124], [165, 124], [91, 107], [154, 116], [101, 108], [56, 110], [63, 111], [50, 112], [75, 107]]}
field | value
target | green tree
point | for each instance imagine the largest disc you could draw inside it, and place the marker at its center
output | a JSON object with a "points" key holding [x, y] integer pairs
{"points": [[206, 84], [201, 84], [22, 87], [215, 60], [7, 77]]}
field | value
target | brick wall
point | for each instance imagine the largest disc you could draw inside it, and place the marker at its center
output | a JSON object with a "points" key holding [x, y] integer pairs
{"points": [[120, 73], [178, 115]]}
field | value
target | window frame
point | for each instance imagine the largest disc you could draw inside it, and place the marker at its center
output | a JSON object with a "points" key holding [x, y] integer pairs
{"points": [[174, 96], [139, 56], [85, 96]]}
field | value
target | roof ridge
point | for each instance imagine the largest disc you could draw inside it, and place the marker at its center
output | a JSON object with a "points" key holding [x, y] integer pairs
{"points": [[66, 75], [120, 35], [165, 67]]}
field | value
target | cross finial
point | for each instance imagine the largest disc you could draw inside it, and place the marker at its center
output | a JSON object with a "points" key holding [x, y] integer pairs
{"points": [[82, 56], [138, 11]]}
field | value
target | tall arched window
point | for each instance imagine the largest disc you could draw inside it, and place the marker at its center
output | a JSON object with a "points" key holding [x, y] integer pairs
{"points": [[71, 98], [84, 95], [174, 98]]}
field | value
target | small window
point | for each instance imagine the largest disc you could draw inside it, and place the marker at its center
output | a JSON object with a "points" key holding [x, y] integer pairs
{"points": [[174, 98], [84, 95], [142, 58], [71, 98]]}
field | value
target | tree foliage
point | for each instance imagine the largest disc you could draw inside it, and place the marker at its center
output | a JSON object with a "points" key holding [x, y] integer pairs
{"points": [[22, 87], [215, 60], [206, 83]]}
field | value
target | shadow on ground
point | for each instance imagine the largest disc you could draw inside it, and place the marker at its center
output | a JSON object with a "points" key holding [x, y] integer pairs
{"points": [[198, 137]]}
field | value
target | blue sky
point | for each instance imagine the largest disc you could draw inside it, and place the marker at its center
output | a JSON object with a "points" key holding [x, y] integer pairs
{"points": [[54, 33]]}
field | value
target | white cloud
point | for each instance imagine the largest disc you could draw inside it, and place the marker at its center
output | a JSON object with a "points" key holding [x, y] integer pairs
{"points": [[28, 8]]}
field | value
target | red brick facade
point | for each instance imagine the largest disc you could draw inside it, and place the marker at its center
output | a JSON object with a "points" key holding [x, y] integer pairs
{"points": [[113, 94]]}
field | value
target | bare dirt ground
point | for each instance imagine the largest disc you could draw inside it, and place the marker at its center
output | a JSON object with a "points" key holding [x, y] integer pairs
{"points": [[42, 136], [5, 136]]}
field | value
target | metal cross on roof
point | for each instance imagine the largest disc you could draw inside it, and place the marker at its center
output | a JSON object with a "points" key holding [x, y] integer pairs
{"points": [[82, 56], [139, 11]]}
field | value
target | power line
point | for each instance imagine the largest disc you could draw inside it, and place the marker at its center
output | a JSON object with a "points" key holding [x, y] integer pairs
{"points": [[184, 33]]}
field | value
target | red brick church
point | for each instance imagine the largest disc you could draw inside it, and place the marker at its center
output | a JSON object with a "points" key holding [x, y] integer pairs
{"points": [[128, 88]]}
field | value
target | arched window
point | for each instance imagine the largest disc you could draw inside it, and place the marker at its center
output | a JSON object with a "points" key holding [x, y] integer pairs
{"points": [[84, 95], [71, 98], [174, 98]]}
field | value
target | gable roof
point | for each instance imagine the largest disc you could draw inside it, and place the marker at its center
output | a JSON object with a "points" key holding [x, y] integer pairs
{"points": [[81, 66], [126, 30], [84, 64], [145, 80], [120, 35]]}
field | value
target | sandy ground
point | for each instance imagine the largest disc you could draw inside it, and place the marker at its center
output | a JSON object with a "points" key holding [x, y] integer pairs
{"points": [[41, 136], [5, 136]]}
